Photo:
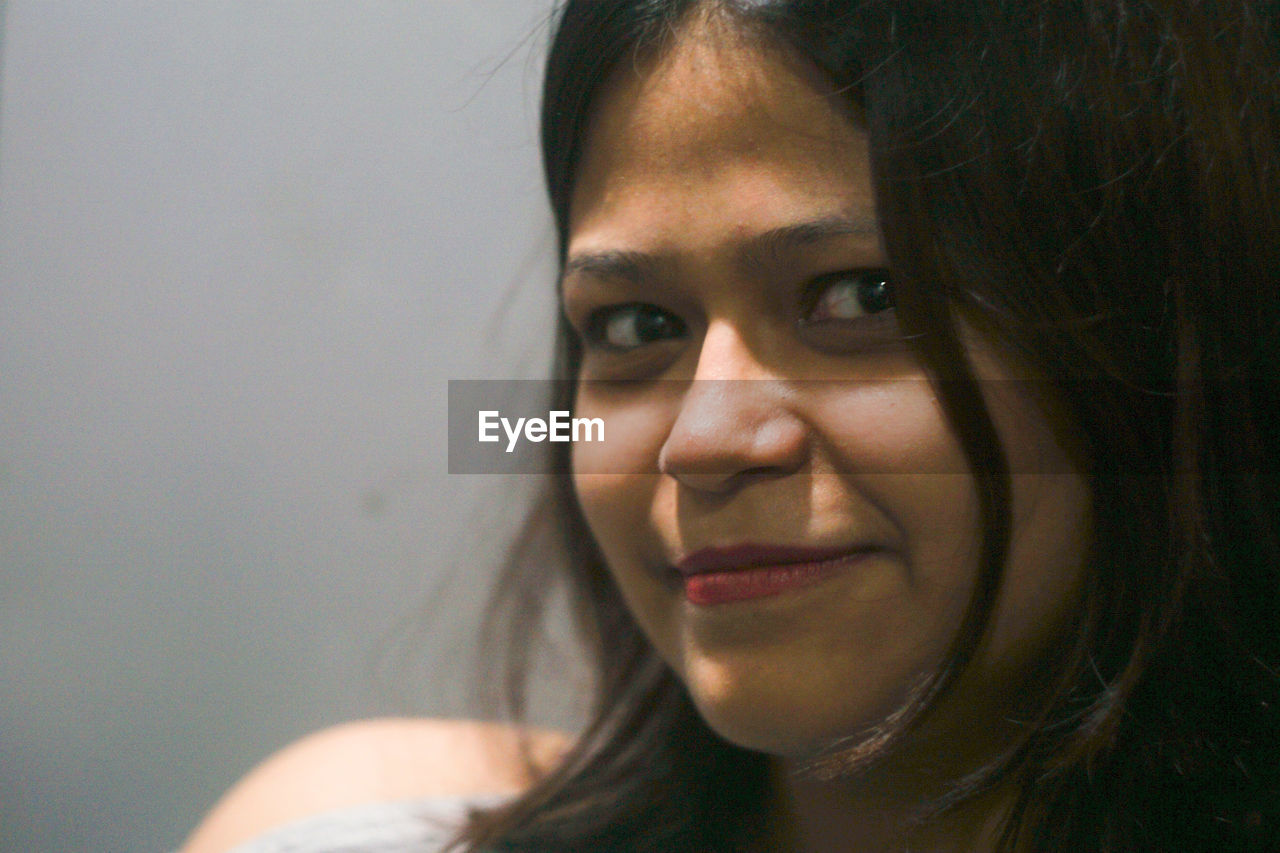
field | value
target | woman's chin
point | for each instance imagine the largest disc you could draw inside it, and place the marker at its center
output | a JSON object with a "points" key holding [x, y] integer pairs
{"points": [[789, 729]]}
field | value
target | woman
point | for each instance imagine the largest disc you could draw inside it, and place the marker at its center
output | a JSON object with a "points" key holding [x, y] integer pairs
{"points": [[938, 346]]}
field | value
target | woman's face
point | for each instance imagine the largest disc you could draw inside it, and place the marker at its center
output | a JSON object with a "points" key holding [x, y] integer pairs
{"points": [[791, 521]]}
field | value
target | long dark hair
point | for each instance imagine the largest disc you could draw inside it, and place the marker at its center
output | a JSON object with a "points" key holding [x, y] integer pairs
{"points": [[1097, 185]]}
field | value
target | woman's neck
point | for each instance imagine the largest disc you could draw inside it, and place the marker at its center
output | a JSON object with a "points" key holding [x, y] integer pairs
{"points": [[881, 807], [868, 814]]}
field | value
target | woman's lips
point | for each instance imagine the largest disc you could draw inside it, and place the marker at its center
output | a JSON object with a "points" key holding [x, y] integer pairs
{"points": [[743, 572]]}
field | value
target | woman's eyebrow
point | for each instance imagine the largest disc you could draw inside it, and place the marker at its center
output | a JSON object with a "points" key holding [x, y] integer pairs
{"points": [[635, 267], [782, 243], [767, 247]]}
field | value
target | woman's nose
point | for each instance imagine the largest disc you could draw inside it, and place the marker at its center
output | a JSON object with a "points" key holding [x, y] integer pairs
{"points": [[736, 422]]}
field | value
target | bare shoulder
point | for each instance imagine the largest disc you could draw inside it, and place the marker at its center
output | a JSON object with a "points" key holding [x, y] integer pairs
{"points": [[375, 760]]}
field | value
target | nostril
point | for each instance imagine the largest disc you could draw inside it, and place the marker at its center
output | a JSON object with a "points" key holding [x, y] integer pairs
{"points": [[729, 433]]}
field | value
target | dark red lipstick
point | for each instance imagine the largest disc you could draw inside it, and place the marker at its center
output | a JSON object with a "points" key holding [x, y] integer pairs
{"points": [[742, 572]]}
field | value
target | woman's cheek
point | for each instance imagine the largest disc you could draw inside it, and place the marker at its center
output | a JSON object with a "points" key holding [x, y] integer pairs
{"points": [[634, 421], [616, 479], [892, 426], [618, 509]]}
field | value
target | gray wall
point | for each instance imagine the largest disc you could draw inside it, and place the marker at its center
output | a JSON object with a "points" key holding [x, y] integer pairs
{"points": [[243, 245]]}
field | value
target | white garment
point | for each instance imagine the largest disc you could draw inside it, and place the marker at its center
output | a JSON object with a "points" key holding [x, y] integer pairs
{"points": [[405, 826]]}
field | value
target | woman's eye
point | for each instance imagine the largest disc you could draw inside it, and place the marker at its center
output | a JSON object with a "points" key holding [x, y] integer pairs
{"points": [[630, 326], [849, 294]]}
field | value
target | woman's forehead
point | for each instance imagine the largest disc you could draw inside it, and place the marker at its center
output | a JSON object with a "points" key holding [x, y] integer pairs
{"points": [[718, 112], [715, 82]]}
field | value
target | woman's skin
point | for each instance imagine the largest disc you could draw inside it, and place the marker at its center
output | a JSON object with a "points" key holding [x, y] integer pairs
{"points": [[723, 230], [377, 760]]}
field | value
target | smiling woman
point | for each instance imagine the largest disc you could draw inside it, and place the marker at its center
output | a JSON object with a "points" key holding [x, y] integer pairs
{"points": [[937, 348], [798, 592]]}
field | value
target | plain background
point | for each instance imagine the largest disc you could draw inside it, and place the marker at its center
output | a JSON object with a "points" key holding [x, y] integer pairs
{"points": [[243, 246]]}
